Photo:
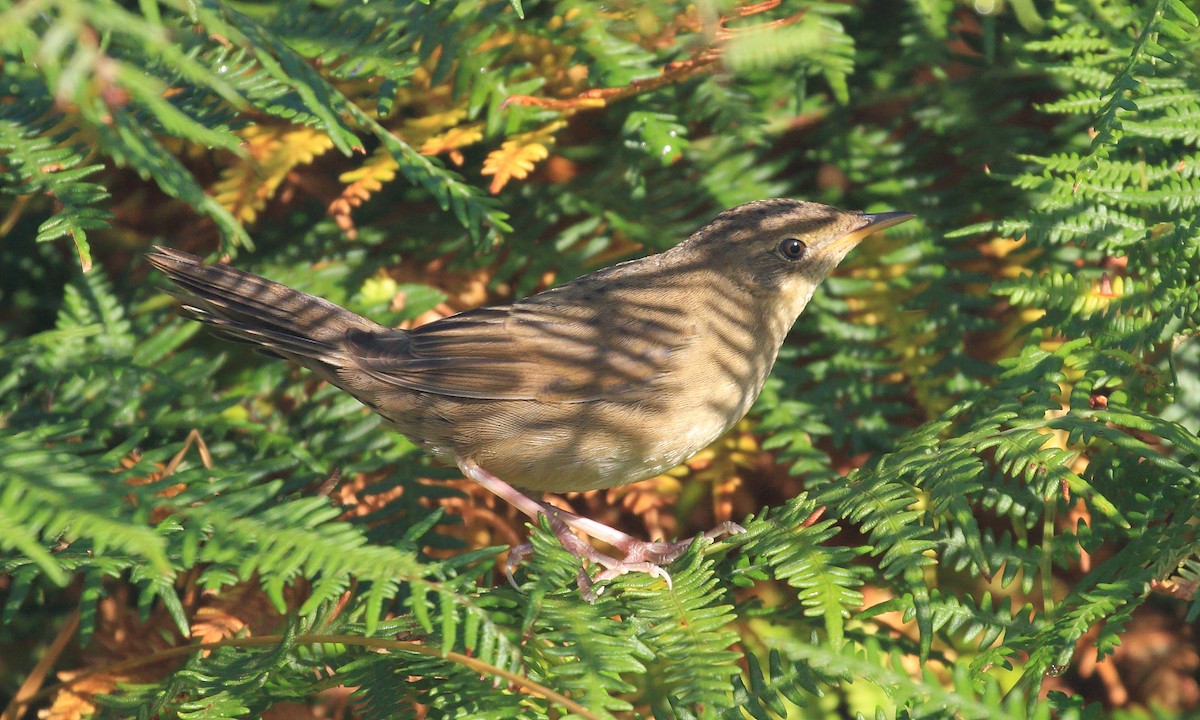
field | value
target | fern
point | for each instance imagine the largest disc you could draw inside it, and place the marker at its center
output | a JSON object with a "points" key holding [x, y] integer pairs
{"points": [[685, 627], [40, 160], [976, 458]]}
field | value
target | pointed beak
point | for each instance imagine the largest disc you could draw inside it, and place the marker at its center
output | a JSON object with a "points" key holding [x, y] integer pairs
{"points": [[872, 223], [884, 220]]}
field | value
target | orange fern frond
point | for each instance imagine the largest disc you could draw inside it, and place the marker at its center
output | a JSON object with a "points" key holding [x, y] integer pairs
{"points": [[76, 703], [416, 131], [362, 182], [272, 153], [452, 141], [704, 60], [516, 157]]}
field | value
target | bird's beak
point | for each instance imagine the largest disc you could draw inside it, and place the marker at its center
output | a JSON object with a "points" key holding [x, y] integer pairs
{"points": [[872, 223]]}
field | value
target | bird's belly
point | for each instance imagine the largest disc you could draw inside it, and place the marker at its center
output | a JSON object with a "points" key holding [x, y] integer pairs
{"points": [[570, 446]]}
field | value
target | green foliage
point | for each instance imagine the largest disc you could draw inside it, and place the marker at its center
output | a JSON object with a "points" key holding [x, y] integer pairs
{"points": [[40, 160], [990, 413]]}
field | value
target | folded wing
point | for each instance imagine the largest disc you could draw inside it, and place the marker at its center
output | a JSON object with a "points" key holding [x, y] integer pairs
{"points": [[526, 351]]}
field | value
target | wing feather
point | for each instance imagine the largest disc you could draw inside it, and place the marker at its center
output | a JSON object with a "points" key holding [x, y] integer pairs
{"points": [[527, 351]]}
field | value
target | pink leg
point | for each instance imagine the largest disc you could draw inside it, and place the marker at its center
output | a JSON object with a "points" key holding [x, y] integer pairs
{"points": [[640, 556], [658, 552], [501, 489]]}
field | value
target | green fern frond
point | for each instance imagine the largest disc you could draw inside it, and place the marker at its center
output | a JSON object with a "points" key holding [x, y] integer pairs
{"points": [[37, 158], [800, 555], [50, 493], [686, 628]]}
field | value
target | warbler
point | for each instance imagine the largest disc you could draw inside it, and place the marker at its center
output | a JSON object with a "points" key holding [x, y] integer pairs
{"points": [[608, 379]]}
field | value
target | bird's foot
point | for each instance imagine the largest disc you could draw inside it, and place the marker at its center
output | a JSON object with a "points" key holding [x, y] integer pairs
{"points": [[666, 552], [516, 556], [638, 555], [635, 550], [580, 548], [643, 556]]}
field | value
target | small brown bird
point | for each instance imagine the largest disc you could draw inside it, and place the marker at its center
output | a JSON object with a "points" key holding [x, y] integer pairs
{"points": [[609, 379]]}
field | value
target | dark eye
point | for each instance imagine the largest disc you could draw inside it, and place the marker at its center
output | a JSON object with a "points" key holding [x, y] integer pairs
{"points": [[792, 249]]}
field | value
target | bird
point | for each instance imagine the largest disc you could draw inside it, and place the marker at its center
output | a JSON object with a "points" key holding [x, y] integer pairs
{"points": [[611, 378]]}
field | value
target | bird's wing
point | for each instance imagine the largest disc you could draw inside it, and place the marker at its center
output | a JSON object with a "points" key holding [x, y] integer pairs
{"points": [[527, 351]]}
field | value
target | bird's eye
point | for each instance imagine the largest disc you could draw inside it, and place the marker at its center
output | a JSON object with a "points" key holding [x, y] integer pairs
{"points": [[792, 249]]}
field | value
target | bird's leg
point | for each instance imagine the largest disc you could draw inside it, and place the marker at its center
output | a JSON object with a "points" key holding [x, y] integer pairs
{"points": [[573, 544], [660, 552], [640, 556], [501, 489]]}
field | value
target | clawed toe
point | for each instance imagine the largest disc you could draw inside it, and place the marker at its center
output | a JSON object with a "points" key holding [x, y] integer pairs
{"points": [[516, 556], [638, 555], [728, 527], [644, 557], [665, 553], [621, 568], [593, 587]]}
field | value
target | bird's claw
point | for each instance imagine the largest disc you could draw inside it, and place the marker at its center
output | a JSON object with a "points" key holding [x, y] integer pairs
{"points": [[516, 556], [593, 587], [644, 557], [640, 556], [728, 527]]}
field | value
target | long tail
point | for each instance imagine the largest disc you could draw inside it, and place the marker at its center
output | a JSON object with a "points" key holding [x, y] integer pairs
{"points": [[285, 322]]}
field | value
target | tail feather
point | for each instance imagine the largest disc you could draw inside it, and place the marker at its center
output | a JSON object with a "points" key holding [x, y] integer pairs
{"points": [[252, 309]]}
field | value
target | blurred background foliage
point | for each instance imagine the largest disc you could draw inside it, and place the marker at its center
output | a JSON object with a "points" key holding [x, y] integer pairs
{"points": [[970, 487]]}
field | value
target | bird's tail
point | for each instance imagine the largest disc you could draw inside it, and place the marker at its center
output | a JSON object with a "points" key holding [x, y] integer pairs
{"points": [[248, 308]]}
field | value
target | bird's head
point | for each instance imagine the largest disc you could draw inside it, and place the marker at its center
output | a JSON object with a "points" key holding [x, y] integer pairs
{"points": [[781, 249]]}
